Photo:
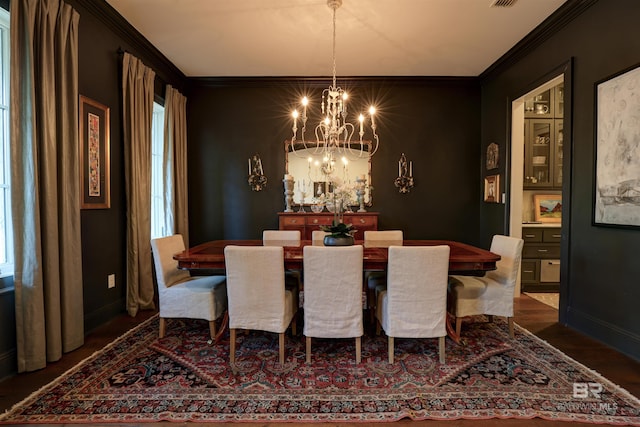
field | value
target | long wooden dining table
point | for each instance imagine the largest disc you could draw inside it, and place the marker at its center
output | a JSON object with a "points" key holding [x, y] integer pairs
{"points": [[463, 259]]}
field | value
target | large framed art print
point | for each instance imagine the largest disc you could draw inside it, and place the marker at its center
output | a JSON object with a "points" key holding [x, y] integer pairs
{"points": [[617, 150], [94, 155]]}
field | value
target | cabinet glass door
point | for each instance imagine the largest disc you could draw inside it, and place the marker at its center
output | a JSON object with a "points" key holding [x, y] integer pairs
{"points": [[557, 158], [539, 106], [541, 133]]}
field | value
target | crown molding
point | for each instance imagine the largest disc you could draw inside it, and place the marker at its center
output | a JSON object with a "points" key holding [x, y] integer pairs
{"points": [[549, 27], [136, 43], [323, 81]]}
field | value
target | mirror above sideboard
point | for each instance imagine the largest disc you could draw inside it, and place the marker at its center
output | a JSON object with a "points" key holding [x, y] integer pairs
{"points": [[315, 174]]}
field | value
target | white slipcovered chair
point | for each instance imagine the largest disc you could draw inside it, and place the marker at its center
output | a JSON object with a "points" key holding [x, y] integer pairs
{"points": [[292, 278], [318, 236], [493, 293], [414, 303], [378, 279], [258, 299], [333, 294], [179, 294], [280, 237]]}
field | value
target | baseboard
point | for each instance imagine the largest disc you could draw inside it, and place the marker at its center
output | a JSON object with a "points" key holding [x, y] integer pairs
{"points": [[8, 364], [622, 340], [101, 316]]}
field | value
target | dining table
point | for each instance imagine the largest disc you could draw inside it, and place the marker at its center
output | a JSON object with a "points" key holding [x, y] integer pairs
{"points": [[463, 259]]}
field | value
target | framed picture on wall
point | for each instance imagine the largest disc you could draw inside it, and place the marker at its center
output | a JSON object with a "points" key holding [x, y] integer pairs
{"points": [[548, 207], [492, 189], [94, 155], [617, 145], [492, 156]]}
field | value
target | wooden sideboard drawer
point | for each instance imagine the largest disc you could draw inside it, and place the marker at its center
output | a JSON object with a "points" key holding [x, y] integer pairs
{"points": [[532, 235], [541, 251], [551, 235], [362, 221], [319, 220], [292, 220]]}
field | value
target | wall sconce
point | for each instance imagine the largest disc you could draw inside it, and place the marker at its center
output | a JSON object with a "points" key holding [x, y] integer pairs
{"points": [[257, 180], [404, 181]]}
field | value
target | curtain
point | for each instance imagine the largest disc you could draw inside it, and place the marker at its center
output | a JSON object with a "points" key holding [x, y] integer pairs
{"points": [[175, 163], [45, 189], [137, 112]]}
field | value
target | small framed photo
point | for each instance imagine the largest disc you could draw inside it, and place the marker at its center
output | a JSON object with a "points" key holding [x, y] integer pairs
{"points": [[94, 155], [322, 187], [547, 207], [492, 189]]}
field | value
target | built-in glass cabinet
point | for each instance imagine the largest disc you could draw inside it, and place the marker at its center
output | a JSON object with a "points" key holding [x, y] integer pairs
{"points": [[543, 139]]}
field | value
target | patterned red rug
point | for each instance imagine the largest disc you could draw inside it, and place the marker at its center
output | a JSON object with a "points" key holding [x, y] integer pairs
{"points": [[140, 378]]}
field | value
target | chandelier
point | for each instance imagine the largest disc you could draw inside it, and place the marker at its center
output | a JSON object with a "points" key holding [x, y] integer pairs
{"points": [[334, 133]]}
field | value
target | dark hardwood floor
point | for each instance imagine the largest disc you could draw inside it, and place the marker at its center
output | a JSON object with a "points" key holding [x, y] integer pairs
{"points": [[533, 315]]}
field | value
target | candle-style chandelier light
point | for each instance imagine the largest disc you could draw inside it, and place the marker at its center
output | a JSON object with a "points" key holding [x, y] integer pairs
{"points": [[334, 133]]}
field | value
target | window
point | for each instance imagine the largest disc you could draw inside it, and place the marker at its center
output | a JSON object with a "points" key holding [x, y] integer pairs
{"points": [[6, 235], [157, 186]]}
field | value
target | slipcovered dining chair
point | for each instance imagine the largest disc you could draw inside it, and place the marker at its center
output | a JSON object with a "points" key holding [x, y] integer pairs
{"points": [[258, 299], [318, 236], [492, 294], [414, 302], [283, 236], [292, 278], [181, 295], [333, 294], [378, 279]]}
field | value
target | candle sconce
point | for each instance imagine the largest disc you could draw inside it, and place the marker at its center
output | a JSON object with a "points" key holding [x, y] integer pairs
{"points": [[404, 181], [257, 180]]}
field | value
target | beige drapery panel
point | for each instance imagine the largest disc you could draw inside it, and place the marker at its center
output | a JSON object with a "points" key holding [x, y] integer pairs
{"points": [[45, 193], [175, 163], [137, 112]]}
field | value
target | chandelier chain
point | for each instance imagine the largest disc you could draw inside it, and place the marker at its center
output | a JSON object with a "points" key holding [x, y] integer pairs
{"points": [[334, 44]]}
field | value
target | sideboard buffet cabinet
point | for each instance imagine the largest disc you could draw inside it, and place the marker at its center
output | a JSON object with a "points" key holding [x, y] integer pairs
{"points": [[307, 222]]}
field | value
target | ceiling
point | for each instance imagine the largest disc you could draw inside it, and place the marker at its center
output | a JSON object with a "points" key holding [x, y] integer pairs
{"points": [[258, 38]]}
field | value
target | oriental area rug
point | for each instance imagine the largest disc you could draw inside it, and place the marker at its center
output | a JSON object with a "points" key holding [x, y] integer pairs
{"points": [[141, 378]]}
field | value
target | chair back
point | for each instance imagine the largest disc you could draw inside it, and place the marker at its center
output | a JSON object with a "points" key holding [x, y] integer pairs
{"points": [[508, 267], [383, 238], [280, 235], [167, 272], [416, 300], [318, 235], [256, 288], [333, 291]]}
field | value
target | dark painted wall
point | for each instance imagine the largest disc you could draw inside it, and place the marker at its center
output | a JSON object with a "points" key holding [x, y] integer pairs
{"points": [[101, 35], [435, 122], [600, 291], [104, 231]]}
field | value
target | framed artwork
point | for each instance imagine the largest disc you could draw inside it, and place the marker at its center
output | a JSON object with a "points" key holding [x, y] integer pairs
{"points": [[492, 189], [492, 156], [94, 155], [547, 207], [617, 145], [322, 187]]}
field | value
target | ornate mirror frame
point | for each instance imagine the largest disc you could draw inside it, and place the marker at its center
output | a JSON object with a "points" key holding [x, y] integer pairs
{"points": [[315, 180]]}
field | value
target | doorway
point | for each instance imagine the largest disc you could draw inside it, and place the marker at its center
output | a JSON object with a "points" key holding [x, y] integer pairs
{"points": [[536, 188]]}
